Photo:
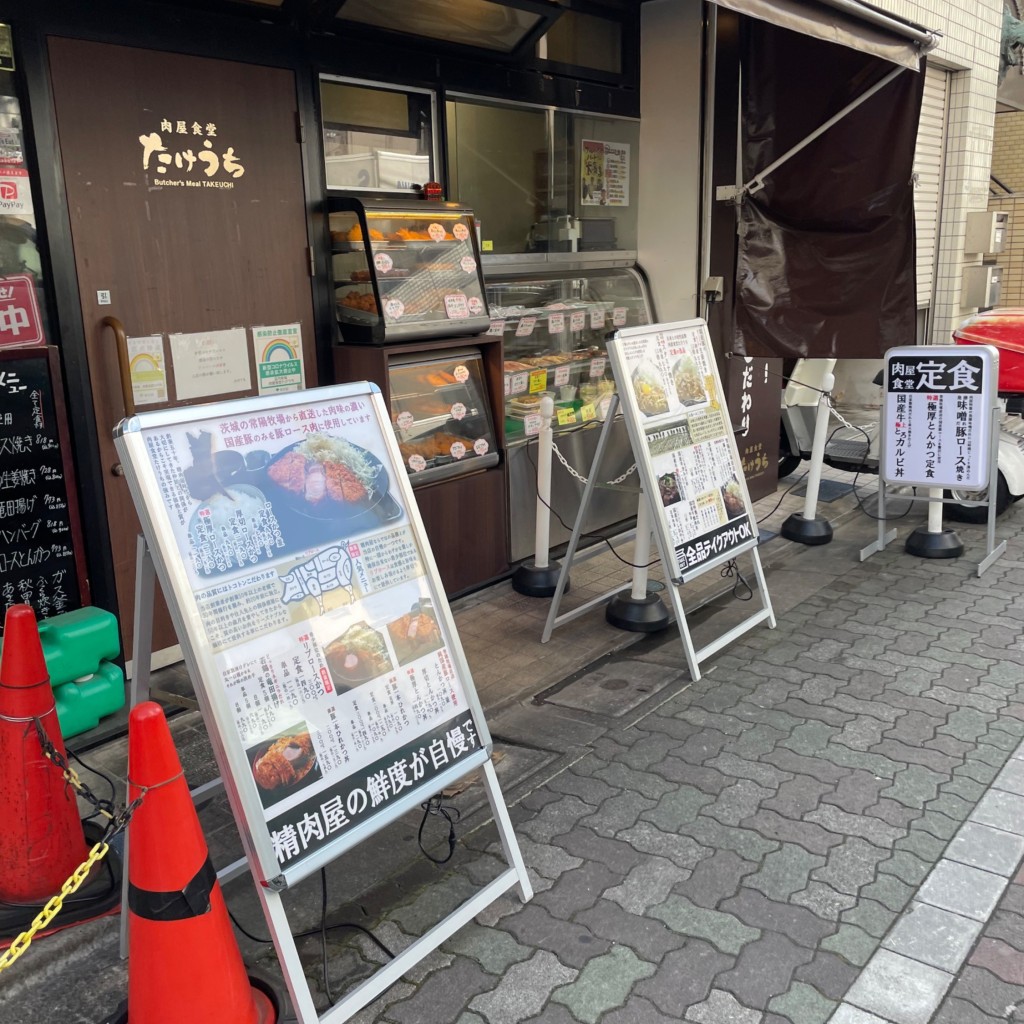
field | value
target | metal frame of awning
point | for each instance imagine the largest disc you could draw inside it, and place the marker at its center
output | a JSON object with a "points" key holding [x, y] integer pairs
{"points": [[924, 39], [852, 23]]}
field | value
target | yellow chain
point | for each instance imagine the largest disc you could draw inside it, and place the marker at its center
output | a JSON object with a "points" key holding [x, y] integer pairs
{"points": [[53, 907]]}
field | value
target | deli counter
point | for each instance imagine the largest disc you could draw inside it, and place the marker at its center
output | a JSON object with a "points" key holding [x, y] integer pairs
{"points": [[554, 324], [403, 270]]}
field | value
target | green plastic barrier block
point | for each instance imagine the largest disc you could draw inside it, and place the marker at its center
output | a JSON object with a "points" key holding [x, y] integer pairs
{"points": [[81, 705], [75, 643]]}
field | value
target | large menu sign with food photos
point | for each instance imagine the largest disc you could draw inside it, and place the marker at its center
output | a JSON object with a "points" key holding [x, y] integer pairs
{"points": [[678, 420], [307, 601]]}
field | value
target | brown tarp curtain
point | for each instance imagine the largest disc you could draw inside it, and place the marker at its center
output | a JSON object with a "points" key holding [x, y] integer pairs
{"points": [[826, 254]]}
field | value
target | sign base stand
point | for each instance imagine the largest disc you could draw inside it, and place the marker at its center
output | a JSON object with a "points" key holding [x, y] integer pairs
{"points": [[536, 581], [814, 531], [926, 544], [638, 615]]}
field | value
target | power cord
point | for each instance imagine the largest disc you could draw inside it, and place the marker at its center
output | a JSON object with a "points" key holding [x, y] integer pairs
{"points": [[323, 934], [731, 569], [434, 806]]}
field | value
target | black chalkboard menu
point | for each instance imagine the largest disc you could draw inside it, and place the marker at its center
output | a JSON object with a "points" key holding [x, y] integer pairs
{"points": [[41, 554]]}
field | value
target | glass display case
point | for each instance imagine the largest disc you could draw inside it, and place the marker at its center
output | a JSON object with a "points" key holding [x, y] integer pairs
{"points": [[554, 327], [405, 270], [441, 414]]}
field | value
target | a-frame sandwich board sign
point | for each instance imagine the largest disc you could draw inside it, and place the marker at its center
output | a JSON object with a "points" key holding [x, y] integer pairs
{"points": [[325, 658], [672, 401]]}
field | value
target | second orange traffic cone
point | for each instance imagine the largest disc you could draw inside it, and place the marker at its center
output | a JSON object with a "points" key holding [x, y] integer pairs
{"points": [[184, 962]]}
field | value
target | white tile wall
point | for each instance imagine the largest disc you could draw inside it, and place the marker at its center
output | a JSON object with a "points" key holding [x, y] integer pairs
{"points": [[969, 49]]}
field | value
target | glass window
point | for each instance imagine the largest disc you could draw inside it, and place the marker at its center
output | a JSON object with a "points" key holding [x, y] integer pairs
{"points": [[21, 269], [468, 22], [584, 41], [499, 164], [377, 138], [597, 164], [544, 180]]}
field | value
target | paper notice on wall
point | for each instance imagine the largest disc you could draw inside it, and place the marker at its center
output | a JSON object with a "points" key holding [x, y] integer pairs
{"points": [[278, 352], [210, 363], [148, 369], [604, 173]]}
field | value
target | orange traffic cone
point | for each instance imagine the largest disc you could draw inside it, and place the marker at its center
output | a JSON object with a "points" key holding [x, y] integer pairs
{"points": [[41, 837], [184, 962]]}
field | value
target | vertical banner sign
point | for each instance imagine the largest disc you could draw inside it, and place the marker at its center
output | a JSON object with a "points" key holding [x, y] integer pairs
{"points": [[938, 415], [753, 386], [675, 409], [304, 591]]}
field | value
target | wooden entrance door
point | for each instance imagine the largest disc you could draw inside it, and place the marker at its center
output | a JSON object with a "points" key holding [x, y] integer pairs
{"points": [[185, 191]]}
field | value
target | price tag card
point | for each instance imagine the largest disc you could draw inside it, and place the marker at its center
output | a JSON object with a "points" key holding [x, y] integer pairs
{"points": [[561, 376], [566, 417], [394, 308], [520, 382], [597, 366], [497, 329], [456, 306], [619, 314], [531, 423], [556, 323], [525, 326], [508, 385], [436, 232], [538, 380], [578, 320], [461, 373], [458, 411], [481, 446], [460, 231], [588, 412], [468, 264], [383, 262], [597, 319], [405, 420]]}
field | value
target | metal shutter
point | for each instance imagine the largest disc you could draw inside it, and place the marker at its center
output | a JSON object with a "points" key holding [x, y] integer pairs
{"points": [[928, 160]]}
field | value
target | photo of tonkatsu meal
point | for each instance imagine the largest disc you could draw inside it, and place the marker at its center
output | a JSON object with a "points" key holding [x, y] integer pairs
{"points": [[324, 477], [358, 655], [415, 634], [284, 763]]}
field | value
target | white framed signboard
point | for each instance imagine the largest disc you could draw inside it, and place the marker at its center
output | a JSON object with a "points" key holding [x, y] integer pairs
{"points": [[938, 415], [316, 630], [678, 420]]}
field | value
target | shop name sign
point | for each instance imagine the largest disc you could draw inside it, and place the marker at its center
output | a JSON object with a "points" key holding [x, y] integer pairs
{"points": [[192, 156], [937, 415]]}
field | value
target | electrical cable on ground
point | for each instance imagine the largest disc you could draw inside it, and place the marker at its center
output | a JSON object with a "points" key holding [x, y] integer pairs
{"points": [[323, 934]]}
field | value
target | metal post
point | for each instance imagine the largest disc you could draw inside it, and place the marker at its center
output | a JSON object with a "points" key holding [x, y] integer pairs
{"points": [[810, 528], [540, 577], [639, 611]]}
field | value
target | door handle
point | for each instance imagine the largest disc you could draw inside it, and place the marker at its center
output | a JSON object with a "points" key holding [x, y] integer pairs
{"points": [[123, 366]]}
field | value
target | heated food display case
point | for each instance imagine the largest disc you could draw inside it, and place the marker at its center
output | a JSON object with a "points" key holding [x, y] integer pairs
{"points": [[441, 413], [554, 324], [443, 395], [403, 270]]}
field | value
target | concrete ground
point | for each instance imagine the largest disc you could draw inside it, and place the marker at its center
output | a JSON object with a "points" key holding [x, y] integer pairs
{"points": [[828, 826]]}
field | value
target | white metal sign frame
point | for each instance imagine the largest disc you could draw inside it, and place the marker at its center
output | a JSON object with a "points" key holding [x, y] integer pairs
{"points": [[987, 434], [236, 772], [640, 425]]}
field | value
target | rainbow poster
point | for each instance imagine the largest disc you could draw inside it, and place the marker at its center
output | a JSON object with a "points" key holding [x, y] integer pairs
{"points": [[148, 369], [279, 358]]}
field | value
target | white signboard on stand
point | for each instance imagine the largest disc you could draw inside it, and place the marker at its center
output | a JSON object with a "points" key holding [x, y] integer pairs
{"points": [[937, 421], [691, 479], [317, 632], [675, 407]]}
